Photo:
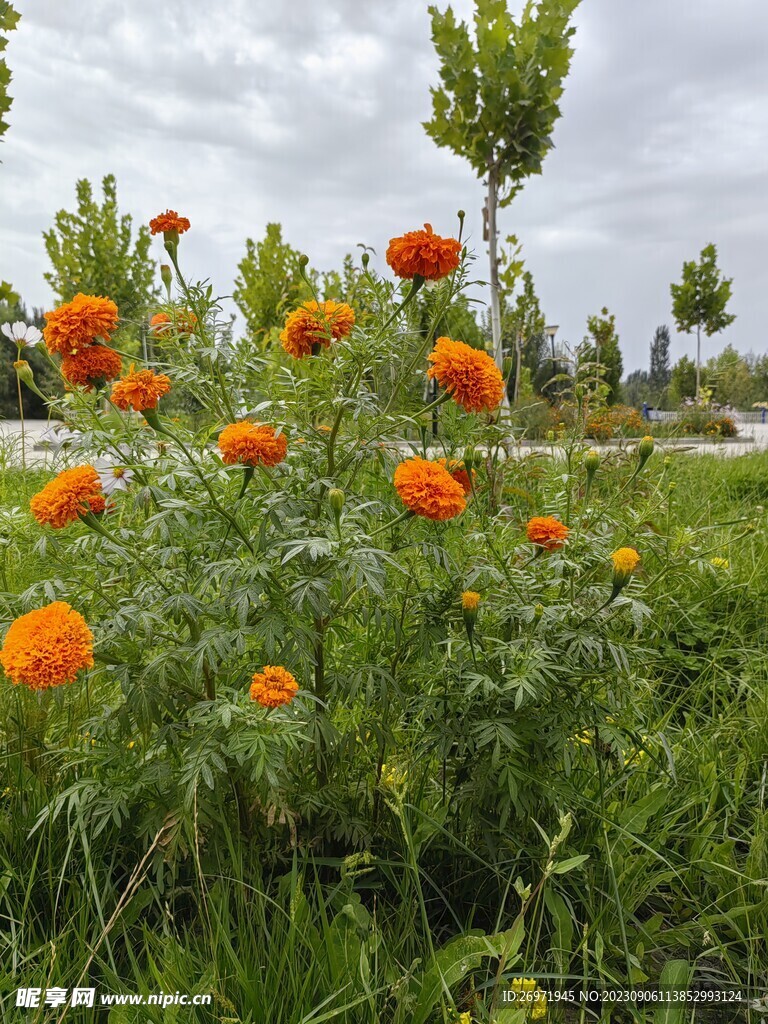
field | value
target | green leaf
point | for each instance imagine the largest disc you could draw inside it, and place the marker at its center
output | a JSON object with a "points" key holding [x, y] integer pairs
{"points": [[676, 975]]}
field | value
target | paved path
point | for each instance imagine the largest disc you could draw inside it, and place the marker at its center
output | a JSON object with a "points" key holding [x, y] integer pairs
{"points": [[752, 437]]}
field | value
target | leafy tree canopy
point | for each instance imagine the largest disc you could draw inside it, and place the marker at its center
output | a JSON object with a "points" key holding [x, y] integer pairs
{"points": [[93, 250], [9, 19], [498, 101]]}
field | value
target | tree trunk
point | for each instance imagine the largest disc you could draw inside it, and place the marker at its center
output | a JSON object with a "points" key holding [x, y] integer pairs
{"points": [[491, 203], [698, 361], [518, 367]]}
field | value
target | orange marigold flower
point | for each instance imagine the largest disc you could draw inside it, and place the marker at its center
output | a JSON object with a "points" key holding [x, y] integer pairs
{"points": [[182, 321], [468, 374], [252, 444], [315, 323], [96, 362], [168, 221], [428, 489], [470, 599], [67, 497], [78, 323], [423, 253], [273, 687], [47, 647], [140, 389], [459, 473], [547, 532]]}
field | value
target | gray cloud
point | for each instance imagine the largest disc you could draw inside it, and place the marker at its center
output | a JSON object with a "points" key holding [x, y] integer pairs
{"points": [[243, 112]]}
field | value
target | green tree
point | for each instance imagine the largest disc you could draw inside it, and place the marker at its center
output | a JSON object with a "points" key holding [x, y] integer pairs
{"points": [[729, 375], [524, 321], [269, 283], [682, 382], [636, 388], [9, 19], [498, 101], [699, 301], [602, 349], [93, 251], [660, 370]]}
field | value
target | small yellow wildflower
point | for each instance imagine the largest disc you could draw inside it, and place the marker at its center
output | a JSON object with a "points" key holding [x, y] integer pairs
{"points": [[720, 563], [392, 776], [530, 996]]}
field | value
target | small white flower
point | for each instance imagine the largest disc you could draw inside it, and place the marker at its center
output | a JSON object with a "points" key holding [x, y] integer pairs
{"points": [[113, 476], [21, 334]]}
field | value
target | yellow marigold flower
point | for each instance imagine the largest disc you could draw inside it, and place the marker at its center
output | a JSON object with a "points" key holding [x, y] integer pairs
{"points": [[468, 374], [314, 324], [140, 389], [252, 444], [78, 323], [89, 364], [423, 254], [546, 531], [168, 221], [47, 647], [470, 599], [720, 563], [625, 561], [428, 489], [67, 497], [273, 686]]}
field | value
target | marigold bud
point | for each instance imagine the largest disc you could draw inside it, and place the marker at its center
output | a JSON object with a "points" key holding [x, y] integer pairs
{"points": [[303, 260], [336, 500], [591, 462], [538, 611], [166, 275], [469, 458], [645, 449], [470, 601], [366, 259], [550, 435], [625, 561], [506, 366]]}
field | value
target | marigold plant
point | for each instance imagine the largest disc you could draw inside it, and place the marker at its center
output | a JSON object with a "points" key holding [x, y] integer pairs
{"points": [[168, 222], [273, 686], [68, 497], [423, 254], [252, 444], [314, 324], [47, 647], [428, 489], [73, 325], [91, 364], [140, 389], [547, 532], [469, 375]]}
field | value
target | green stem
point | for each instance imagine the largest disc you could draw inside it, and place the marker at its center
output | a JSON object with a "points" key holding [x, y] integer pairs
{"points": [[399, 519], [163, 429]]}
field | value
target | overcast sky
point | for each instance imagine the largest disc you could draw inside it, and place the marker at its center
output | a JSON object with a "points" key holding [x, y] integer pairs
{"points": [[309, 112]]}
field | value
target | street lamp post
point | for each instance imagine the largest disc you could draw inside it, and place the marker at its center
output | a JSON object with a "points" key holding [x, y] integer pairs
{"points": [[551, 332]]}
